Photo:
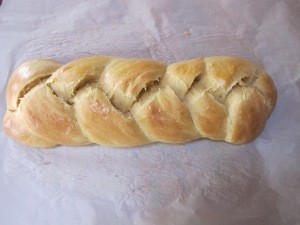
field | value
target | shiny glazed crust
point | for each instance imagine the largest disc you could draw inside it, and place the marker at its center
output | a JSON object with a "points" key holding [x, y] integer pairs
{"points": [[129, 102]]}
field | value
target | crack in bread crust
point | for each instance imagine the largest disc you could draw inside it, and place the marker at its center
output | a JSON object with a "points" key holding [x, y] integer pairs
{"points": [[130, 102]]}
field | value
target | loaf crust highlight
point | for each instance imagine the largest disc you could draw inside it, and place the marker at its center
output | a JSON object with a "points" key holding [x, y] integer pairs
{"points": [[130, 102]]}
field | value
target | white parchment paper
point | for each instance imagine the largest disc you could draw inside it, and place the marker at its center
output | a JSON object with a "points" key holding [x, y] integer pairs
{"points": [[199, 183]]}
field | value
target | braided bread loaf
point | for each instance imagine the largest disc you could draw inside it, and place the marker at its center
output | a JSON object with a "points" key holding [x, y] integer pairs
{"points": [[130, 102]]}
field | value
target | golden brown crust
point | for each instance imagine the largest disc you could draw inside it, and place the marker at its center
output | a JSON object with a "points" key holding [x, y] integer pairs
{"points": [[165, 118], [48, 116], [209, 115], [129, 102], [27, 76], [101, 122], [14, 127]]}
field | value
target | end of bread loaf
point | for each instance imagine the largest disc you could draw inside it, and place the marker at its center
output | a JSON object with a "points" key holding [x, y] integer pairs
{"points": [[130, 102]]}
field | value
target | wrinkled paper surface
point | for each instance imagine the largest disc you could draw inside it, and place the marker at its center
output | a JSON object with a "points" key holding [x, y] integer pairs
{"points": [[202, 182]]}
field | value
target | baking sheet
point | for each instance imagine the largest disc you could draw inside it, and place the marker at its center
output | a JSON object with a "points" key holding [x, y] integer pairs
{"points": [[202, 182]]}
